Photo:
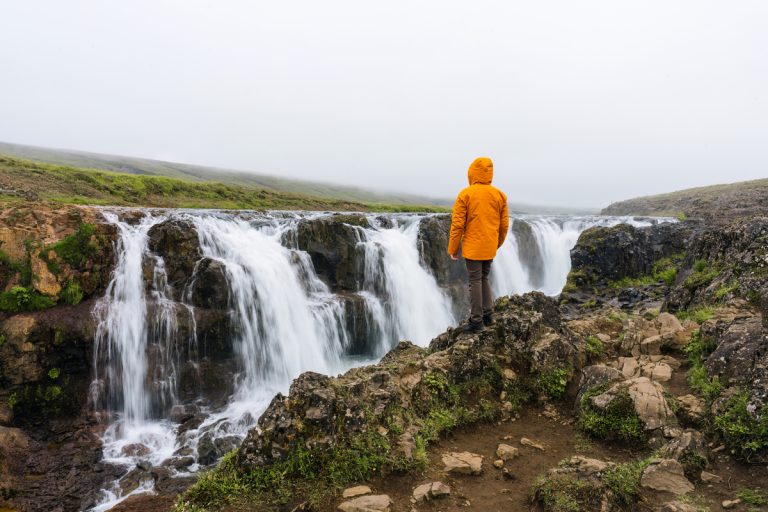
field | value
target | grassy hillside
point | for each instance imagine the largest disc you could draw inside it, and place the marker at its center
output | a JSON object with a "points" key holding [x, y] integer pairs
{"points": [[24, 180], [746, 198], [187, 172]]}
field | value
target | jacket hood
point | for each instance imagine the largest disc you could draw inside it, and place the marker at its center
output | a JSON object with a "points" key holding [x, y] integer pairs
{"points": [[481, 171]]}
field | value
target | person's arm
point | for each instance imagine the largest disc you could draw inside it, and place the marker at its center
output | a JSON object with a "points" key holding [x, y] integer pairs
{"points": [[458, 222], [504, 224]]}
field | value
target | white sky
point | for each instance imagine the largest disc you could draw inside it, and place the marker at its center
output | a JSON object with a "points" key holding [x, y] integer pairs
{"points": [[578, 102]]}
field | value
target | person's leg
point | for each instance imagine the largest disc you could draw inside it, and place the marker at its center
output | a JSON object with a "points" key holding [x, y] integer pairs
{"points": [[475, 271], [486, 287]]}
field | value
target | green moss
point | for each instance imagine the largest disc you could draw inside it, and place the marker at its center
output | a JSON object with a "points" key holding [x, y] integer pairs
{"points": [[744, 430], [19, 299], [72, 293], [76, 248], [617, 422]]}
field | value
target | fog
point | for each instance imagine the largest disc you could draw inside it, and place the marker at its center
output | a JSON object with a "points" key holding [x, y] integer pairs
{"points": [[578, 103]]}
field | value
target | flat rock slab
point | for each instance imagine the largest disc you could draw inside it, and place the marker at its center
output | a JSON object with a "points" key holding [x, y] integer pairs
{"points": [[666, 475], [379, 503], [354, 492], [463, 463], [532, 444], [431, 491]]}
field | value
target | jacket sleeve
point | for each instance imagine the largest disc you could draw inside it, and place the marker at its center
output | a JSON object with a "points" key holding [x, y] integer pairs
{"points": [[458, 222], [504, 224]]}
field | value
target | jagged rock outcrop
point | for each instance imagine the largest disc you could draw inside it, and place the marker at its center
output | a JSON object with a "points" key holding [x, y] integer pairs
{"points": [[394, 399]]}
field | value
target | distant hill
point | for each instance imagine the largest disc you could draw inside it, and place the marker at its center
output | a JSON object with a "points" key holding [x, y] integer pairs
{"points": [[25, 181], [143, 166], [747, 198], [317, 190]]}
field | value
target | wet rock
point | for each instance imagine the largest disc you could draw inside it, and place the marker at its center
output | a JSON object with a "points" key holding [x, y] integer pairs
{"points": [[135, 450], [354, 492], [379, 503], [666, 475], [208, 285], [464, 463], [332, 244], [176, 242], [183, 412]]}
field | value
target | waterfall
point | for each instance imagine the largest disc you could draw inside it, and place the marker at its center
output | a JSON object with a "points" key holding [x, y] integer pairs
{"points": [[283, 320]]}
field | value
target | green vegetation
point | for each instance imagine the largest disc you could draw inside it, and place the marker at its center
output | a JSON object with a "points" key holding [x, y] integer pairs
{"points": [[754, 497], [19, 299], [565, 492], [71, 185], [702, 275], [76, 248], [553, 383], [744, 429], [72, 294], [617, 422], [23, 269], [726, 290], [698, 349], [663, 271], [698, 315], [594, 347], [624, 481]]}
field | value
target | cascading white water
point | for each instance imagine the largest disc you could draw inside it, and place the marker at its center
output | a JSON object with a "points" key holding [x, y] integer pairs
{"points": [[285, 320], [402, 296]]}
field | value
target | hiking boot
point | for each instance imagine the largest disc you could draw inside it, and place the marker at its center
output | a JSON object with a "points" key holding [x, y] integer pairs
{"points": [[473, 328], [488, 320]]}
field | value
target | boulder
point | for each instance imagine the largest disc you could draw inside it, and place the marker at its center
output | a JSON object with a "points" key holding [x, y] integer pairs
{"points": [[666, 475], [354, 492], [333, 245]]}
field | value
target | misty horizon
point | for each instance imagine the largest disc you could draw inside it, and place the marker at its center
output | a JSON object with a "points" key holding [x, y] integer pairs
{"points": [[578, 105]]}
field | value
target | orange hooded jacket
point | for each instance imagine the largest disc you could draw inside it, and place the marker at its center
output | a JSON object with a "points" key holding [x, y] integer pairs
{"points": [[480, 217]]}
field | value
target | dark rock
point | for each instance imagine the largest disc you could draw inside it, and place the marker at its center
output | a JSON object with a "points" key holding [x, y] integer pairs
{"points": [[332, 243], [208, 287], [529, 251], [176, 242], [183, 412]]}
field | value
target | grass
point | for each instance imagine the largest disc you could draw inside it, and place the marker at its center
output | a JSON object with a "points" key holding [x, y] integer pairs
{"points": [[698, 349], [698, 315], [754, 497], [19, 299], [745, 430], [664, 271], [594, 347], [71, 185]]}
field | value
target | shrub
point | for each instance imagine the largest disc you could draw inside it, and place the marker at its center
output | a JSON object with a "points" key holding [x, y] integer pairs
{"points": [[72, 293], [617, 422], [744, 429], [754, 497], [594, 347], [567, 493], [76, 248], [553, 383], [624, 481], [19, 299]]}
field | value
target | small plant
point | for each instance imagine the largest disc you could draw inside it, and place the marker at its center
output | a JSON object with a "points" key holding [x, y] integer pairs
{"points": [[19, 299], [698, 315], [54, 373], [567, 493], [698, 349], [76, 248], [744, 429], [72, 294], [624, 481], [553, 383], [726, 290], [702, 275], [700, 265], [594, 347]]}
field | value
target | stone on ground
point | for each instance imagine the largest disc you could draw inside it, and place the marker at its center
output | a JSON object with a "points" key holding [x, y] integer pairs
{"points": [[463, 463], [710, 478], [666, 475], [678, 506], [378, 503], [532, 444], [354, 492], [506, 452], [434, 490]]}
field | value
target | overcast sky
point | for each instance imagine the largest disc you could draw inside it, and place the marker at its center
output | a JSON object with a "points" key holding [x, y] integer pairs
{"points": [[578, 102]]}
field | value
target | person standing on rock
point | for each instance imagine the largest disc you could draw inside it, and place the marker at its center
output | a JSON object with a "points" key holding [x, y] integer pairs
{"points": [[479, 225]]}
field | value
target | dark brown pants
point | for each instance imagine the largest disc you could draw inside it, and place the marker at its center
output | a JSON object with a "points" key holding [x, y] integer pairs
{"points": [[480, 298]]}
